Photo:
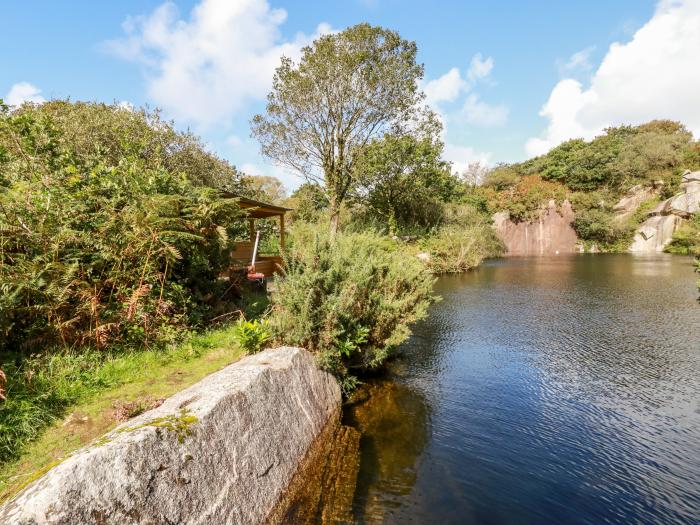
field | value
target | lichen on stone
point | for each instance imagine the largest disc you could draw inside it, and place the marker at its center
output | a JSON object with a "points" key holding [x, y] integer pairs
{"points": [[179, 423]]}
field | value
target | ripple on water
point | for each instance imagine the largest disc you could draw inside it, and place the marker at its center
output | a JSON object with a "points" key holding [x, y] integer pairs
{"points": [[561, 390]]}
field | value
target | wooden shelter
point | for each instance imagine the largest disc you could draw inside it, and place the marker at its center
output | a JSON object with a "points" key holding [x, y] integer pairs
{"points": [[244, 254]]}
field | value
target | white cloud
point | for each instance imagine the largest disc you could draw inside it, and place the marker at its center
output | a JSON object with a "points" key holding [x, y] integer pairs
{"points": [[483, 114], [446, 88], [207, 67], [462, 156], [479, 68], [453, 88], [564, 104], [23, 92], [578, 62], [654, 75]]}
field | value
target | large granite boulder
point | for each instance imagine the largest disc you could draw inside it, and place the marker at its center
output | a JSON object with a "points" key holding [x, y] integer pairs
{"points": [[691, 176], [222, 451], [656, 232], [686, 203], [630, 202]]}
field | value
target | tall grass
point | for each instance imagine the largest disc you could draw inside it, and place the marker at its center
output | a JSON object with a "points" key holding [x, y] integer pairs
{"points": [[41, 389]]}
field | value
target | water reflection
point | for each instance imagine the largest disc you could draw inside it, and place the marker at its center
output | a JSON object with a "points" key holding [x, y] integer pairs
{"points": [[560, 390], [393, 421]]}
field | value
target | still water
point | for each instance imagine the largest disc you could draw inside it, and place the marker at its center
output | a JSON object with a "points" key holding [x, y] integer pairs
{"points": [[541, 390]]}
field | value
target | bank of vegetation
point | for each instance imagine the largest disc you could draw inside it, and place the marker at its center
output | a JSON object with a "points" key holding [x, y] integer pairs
{"points": [[594, 175], [116, 230]]}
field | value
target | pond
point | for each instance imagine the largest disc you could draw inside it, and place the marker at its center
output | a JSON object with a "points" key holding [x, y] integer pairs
{"points": [[541, 390]]}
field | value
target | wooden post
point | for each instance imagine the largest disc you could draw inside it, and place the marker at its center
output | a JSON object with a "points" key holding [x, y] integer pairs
{"points": [[282, 233], [251, 230]]}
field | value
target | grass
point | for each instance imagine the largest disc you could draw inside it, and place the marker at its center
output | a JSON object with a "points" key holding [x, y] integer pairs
{"points": [[59, 403]]}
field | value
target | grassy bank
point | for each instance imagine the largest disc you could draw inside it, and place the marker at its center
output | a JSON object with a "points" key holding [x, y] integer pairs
{"points": [[59, 403]]}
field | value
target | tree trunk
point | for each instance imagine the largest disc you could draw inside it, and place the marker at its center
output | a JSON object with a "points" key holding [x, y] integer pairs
{"points": [[393, 227], [333, 208], [335, 213]]}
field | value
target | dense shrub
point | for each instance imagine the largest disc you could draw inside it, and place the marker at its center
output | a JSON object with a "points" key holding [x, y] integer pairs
{"points": [[88, 131], [599, 226], [307, 202], [462, 243], [528, 196], [617, 159], [686, 240], [402, 182], [456, 248], [100, 242], [501, 177], [351, 300]]}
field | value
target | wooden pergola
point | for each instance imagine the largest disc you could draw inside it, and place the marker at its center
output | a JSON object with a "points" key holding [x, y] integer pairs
{"points": [[243, 251]]}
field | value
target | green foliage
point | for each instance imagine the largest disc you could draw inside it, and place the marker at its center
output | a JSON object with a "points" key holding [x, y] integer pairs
{"points": [[599, 226], [101, 243], [525, 199], [464, 240], [350, 300], [251, 336], [686, 240], [348, 88], [307, 202], [264, 188], [478, 198], [501, 177], [403, 181], [92, 131], [41, 388], [456, 249], [617, 159]]}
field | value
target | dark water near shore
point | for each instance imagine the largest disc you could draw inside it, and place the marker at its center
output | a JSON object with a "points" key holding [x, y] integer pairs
{"points": [[542, 390]]}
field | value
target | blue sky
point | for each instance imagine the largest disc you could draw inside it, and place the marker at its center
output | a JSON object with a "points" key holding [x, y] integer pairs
{"points": [[509, 78]]}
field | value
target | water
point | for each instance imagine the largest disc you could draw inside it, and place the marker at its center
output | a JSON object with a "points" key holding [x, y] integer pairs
{"points": [[541, 390]]}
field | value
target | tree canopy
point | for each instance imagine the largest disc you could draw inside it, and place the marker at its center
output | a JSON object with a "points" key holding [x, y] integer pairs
{"points": [[107, 234], [348, 88], [403, 180]]}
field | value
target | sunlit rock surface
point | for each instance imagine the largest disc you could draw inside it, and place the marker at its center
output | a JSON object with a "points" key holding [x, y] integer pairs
{"points": [[222, 451], [630, 202], [551, 234], [656, 232]]}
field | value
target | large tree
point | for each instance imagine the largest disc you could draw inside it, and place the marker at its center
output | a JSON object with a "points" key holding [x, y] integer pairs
{"points": [[402, 179], [347, 89], [264, 187]]}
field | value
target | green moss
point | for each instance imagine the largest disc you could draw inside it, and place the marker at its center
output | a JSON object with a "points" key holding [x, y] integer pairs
{"points": [[180, 424], [101, 441], [91, 389], [30, 478]]}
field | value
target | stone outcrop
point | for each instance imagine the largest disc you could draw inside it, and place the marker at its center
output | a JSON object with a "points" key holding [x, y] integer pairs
{"points": [[551, 234], [222, 451], [630, 202], [655, 233]]}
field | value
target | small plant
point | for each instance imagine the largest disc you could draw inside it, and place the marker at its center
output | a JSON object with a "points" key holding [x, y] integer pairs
{"points": [[252, 335], [348, 345], [125, 410]]}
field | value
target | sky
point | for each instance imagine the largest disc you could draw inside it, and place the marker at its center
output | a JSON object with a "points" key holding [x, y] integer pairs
{"points": [[509, 79]]}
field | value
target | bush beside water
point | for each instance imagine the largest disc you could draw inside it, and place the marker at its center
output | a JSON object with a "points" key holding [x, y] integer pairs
{"points": [[350, 300]]}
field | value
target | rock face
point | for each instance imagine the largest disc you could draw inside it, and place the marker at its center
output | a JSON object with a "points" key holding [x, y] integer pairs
{"points": [[656, 232], [222, 451], [635, 196], [551, 234]]}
